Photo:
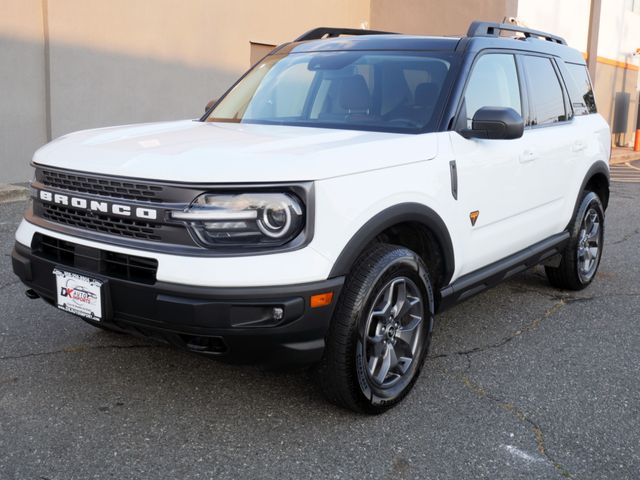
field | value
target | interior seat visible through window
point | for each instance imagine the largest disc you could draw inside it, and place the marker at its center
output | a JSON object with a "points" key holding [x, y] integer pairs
{"points": [[387, 91], [348, 98], [354, 96]]}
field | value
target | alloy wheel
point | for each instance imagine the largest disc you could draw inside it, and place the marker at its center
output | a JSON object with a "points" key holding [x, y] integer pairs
{"points": [[589, 245], [393, 332]]}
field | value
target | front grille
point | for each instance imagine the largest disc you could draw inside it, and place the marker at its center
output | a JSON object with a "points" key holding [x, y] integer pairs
{"points": [[124, 227], [105, 187], [111, 264], [130, 267]]}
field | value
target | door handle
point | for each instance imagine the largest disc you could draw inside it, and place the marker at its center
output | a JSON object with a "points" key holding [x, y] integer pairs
{"points": [[578, 146], [527, 156]]}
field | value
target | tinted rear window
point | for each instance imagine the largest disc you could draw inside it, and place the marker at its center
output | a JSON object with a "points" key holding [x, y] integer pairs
{"points": [[580, 90], [547, 100]]}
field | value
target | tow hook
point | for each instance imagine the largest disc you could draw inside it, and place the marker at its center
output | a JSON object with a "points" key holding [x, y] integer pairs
{"points": [[31, 294]]}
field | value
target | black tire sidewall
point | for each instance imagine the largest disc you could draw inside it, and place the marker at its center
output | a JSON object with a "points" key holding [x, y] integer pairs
{"points": [[396, 263], [589, 200]]}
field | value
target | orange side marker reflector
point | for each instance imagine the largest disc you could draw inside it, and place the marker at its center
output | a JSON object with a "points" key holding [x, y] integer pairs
{"points": [[474, 217], [321, 299]]}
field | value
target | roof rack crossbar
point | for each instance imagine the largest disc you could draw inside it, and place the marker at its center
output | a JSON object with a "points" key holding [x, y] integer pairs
{"points": [[490, 29], [328, 32]]}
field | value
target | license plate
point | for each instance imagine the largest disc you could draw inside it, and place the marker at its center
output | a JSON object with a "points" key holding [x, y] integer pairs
{"points": [[79, 294]]}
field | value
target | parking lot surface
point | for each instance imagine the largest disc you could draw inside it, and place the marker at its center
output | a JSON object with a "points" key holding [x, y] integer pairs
{"points": [[523, 381]]}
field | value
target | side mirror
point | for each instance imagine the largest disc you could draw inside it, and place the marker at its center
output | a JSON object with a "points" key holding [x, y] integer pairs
{"points": [[495, 123], [210, 104]]}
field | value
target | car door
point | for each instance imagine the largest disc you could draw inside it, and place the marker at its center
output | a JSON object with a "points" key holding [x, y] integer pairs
{"points": [[554, 142], [491, 180]]}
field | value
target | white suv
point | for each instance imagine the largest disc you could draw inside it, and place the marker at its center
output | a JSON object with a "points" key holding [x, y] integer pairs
{"points": [[322, 211]]}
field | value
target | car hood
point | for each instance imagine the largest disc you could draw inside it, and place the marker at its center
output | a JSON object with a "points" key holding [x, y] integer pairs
{"points": [[192, 151]]}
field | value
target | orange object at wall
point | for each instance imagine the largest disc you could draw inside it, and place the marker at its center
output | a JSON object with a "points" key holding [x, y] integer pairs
{"points": [[636, 144]]}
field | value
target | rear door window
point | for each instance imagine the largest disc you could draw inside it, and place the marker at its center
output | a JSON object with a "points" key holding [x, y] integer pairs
{"points": [[546, 97]]}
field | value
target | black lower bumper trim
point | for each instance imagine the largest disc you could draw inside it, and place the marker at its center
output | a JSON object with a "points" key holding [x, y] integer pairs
{"points": [[274, 325]]}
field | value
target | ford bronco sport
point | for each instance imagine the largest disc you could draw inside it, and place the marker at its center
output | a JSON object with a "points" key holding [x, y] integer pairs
{"points": [[349, 186]]}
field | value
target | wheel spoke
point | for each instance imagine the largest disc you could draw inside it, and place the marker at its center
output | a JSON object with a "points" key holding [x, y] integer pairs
{"points": [[385, 365], [382, 312], [594, 231], [372, 364], [582, 252], [393, 357], [375, 339], [385, 309], [377, 344], [407, 333], [409, 303], [582, 236], [399, 288], [403, 364]]}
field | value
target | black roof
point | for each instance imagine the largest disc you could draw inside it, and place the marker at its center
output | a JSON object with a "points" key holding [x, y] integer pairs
{"points": [[481, 36], [377, 42]]}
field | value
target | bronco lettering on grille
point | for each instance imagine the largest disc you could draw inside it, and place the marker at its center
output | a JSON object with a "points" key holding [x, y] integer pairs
{"points": [[98, 206]]}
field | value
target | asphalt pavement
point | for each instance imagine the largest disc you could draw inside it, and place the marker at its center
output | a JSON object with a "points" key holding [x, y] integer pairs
{"points": [[524, 381]]}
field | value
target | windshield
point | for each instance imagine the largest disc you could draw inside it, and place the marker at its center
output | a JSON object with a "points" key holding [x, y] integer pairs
{"points": [[384, 91]]}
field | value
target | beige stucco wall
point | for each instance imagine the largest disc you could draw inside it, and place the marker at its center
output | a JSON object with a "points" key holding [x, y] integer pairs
{"points": [[612, 81], [134, 61], [126, 61], [22, 83], [437, 17]]}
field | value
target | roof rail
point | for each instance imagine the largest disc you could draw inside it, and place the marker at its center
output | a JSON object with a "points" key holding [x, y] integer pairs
{"points": [[328, 32], [490, 29]]}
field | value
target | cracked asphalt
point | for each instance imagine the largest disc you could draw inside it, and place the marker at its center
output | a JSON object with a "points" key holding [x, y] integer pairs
{"points": [[524, 381]]}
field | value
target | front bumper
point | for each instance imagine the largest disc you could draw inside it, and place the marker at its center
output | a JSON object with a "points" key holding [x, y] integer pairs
{"points": [[235, 323]]}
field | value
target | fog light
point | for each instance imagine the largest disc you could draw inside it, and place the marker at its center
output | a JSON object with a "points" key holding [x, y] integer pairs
{"points": [[277, 313]]}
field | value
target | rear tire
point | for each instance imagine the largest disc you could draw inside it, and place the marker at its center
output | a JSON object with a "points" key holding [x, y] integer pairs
{"points": [[581, 257], [380, 332]]}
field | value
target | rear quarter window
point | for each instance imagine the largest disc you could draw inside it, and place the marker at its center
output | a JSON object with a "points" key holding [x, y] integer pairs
{"points": [[580, 89]]}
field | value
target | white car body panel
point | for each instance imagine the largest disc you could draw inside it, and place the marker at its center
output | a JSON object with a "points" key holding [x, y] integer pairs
{"points": [[515, 185], [357, 175], [300, 266], [365, 194], [230, 152]]}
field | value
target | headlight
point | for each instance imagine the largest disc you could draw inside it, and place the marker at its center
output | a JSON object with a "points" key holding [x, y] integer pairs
{"points": [[248, 219]]}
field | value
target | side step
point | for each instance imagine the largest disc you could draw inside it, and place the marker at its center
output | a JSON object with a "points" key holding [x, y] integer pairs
{"points": [[489, 276]]}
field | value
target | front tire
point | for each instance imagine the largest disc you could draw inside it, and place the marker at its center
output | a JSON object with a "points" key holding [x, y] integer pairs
{"points": [[581, 257], [380, 332]]}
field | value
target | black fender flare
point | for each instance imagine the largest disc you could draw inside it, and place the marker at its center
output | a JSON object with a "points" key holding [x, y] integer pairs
{"points": [[401, 213], [598, 167]]}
